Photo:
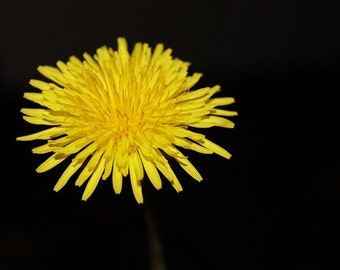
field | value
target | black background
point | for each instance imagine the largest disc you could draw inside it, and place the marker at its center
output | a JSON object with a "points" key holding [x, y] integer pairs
{"points": [[274, 205]]}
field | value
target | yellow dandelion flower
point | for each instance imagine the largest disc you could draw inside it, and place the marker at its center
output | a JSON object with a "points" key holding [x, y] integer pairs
{"points": [[118, 114]]}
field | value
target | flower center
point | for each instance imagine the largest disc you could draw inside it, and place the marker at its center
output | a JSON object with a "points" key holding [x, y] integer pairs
{"points": [[129, 124]]}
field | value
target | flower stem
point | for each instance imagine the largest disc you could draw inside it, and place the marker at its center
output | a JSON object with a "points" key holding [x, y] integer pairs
{"points": [[156, 256]]}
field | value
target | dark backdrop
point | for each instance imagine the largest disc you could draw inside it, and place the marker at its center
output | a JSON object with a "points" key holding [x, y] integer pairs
{"points": [[274, 205]]}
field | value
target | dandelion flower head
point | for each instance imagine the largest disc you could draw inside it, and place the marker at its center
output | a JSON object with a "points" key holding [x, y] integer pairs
{"points": [[120, 115]]}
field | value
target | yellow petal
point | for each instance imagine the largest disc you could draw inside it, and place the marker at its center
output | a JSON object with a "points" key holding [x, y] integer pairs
{"points": [[89, 169], [109, 157], [40, 84], [93, 182], [53, 73], [70, 170], [122, 50], [137, 164], [211, 121], [117, 179], [221, 101], [43, 149], [135, 182], [190, 169], [43, 135], [37, 120], [216, 148], [185, 143], [157, 52], [35, 97], [170, 175], [152, 172], [223, 112], [51, 162], [183, 162]]}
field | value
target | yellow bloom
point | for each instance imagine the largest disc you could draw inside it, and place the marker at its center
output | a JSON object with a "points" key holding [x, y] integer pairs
{"points": [[121, 114]]}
